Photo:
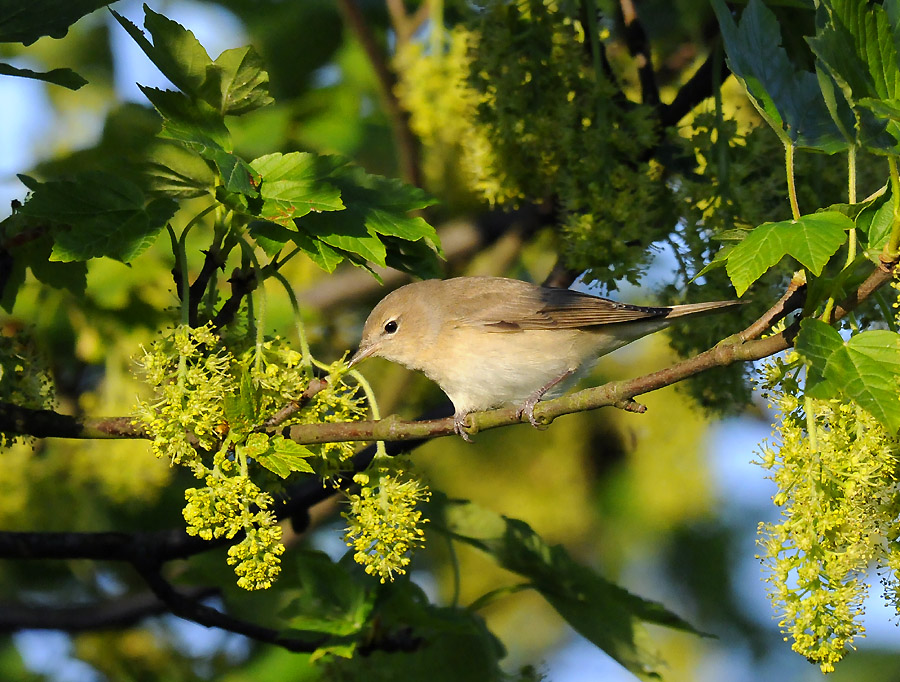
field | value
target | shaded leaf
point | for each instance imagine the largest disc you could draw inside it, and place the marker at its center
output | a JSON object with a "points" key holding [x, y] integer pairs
{"points": [[64, 77], [812, 240], [25, 22], [788, 98], [175, 51], [601, 611], [329, 600], [240, 84], [98, 214]]}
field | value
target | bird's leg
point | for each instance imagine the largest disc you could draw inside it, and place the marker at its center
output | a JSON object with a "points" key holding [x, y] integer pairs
{"points": [[528, 407], [460, 424]]}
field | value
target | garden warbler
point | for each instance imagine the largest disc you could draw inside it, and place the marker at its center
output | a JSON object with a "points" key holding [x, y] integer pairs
{"points": [[492, 341]]}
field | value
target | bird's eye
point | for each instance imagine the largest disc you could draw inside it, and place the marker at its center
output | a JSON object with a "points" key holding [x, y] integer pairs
{"points": [[390, 327]]}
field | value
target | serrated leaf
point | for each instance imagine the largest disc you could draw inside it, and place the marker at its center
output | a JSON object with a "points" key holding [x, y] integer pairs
{"points": [[816, 343], [788, 98], [376, 207], [856, 43], [98, 214], [867, 370], [270, 237], [599, 610], [718, 261], [175, 51], [294, 184], [25, 22], [877, 223], [346, 230], [237, 175], [329, 601], [812, 239], [241, 84], [285, 456], [320, 253], [64, 77], [175, 171]]}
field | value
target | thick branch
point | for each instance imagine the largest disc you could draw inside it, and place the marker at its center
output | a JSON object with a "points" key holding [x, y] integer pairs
{"points": [[49, 424], [194, 610], [114, 614]]}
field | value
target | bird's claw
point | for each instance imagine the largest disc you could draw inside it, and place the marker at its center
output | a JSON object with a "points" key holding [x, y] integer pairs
{"points": [[460, 424], [528, 410]]}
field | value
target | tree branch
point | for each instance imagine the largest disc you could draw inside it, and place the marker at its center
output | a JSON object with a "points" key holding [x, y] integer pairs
{"points": [[639, 47], [49, 424], [407, 144], [194, 610], [740, 347], [114, 614]]}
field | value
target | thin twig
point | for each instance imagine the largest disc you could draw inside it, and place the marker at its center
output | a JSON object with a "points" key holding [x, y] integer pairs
{"points": [[792, 299]]}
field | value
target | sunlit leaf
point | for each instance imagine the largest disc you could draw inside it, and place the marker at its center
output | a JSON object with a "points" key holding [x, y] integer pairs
{"points": [[812, 239]]}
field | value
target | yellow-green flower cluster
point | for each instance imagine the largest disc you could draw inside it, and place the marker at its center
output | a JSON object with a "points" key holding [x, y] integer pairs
{"points": [[836, 471], [205, 413], [256, 558], [23, 379], [190, 374], [514, 95], [384, 526]]}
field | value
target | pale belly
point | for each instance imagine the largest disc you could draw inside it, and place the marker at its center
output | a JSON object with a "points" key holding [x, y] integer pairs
{"points": [[508, 368]]}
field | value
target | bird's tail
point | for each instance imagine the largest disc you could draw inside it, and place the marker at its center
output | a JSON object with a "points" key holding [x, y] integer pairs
{"points": [[706, 308]]}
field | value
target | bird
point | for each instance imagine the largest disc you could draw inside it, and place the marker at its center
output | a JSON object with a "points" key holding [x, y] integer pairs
{"points": [[488, 342]]}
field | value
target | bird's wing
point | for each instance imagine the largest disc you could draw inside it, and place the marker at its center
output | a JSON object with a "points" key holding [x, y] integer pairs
{"points": [[544, 308]]}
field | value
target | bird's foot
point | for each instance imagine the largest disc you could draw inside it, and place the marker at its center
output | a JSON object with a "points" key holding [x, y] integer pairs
{"points": [[527, 409], [461, 424], [528, 406]]}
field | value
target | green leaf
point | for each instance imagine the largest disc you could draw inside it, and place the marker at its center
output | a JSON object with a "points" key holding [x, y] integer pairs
{"points": [[241, 84], [375, 206], [294, 184], [64, 77], [789, 99], [599, 610], [816, 343], [32, 252], [98, 214], [330, 601], [718, 261], [235, 83], [864, 369], [812, 240], [25, 22], [867, 370], [270, 237], [857, 44], [319, 252], [174, 51], [174, 170], [284, 456], [876, 223]]}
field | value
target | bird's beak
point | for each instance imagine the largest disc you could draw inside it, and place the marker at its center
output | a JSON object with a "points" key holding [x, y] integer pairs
{"points": [[361, 354]]}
